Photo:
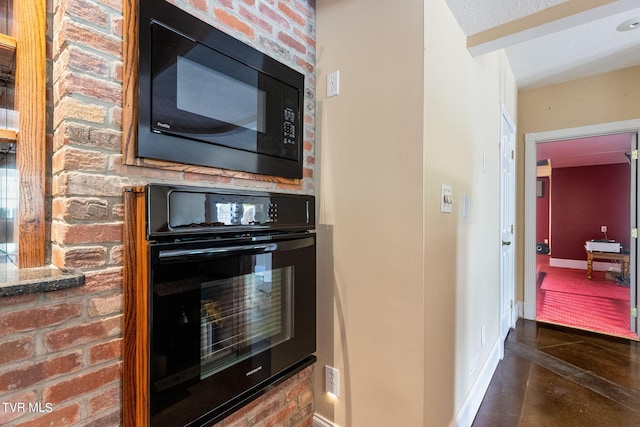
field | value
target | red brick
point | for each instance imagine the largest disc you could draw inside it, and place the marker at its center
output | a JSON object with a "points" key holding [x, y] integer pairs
{"points": [[306, 38], [71, 183], [70, 32], [17, 349], [233, 22], [80, 384], [8, 415], [72, 258], [115, 255], [306, 8], [81, 334], [73, 158], [307, 173], [80, 134], [307, 66], [108, 420], [116, 24], [294, 16], [97, 281], [76, 59], [104, 305], [278, 418], [10, 302], [72, 108], [37, 317], [70, 234], [72, 83], [105, 351], [109, 399], [58, 417], [291, 42], [113, 4], [256, 20], [28, 375], [274, 16], [87, 11], [78, 208], [200, 5]]}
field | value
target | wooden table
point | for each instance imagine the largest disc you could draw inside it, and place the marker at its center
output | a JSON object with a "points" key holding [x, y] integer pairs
{"points": [[613, 256]]}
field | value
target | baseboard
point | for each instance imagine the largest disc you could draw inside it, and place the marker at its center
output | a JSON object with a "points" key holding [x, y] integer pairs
{"points": [[518, 312], [529, 310], [469, 408], [320, 421], [578, 264]]}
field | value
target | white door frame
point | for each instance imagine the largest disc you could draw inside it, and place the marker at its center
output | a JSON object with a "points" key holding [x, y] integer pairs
{"points": [[508, 314], [531, 139]]}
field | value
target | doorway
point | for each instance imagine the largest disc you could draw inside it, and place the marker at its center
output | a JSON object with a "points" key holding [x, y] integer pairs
{"points": [[533, 189]]}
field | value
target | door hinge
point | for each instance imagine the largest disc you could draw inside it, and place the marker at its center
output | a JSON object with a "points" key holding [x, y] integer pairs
{"points": [[634, 312], [634, 155], [513, 154], [634, 233], [511, 228]]}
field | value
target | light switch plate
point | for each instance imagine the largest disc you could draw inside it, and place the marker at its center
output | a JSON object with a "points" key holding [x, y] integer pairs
{"points": [[446, 199]]}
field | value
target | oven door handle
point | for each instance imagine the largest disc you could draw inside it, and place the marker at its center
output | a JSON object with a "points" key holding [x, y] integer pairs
{"points": [[226, 250], [179, 253]]}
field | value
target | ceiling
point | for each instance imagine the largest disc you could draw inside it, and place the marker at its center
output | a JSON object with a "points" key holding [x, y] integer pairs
{"points": [[597, 150], [552, 41]]}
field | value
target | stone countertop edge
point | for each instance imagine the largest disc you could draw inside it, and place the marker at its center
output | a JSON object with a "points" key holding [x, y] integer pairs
{"points": [[14, 281]]}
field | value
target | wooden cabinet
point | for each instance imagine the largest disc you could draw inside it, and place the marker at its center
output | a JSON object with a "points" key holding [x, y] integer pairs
{"points": [[25, 55]]}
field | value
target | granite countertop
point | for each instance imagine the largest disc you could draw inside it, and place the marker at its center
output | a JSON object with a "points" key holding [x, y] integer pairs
{"points": [[16, 281]]}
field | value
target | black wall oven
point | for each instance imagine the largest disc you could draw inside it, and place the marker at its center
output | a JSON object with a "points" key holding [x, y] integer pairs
{"points": [[232, 298], [208, 99]]}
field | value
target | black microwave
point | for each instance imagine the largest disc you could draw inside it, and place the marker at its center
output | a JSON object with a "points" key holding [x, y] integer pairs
{"points": [[207, 99]]}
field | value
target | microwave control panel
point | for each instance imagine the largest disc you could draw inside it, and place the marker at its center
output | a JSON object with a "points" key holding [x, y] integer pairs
{"points": [[289, 141]]}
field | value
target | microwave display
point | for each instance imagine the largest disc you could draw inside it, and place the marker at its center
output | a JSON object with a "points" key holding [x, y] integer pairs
{"points": [[208, 99]]}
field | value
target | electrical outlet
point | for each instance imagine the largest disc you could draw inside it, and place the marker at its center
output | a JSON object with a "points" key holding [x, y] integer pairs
{"points": [[483, 336], [333, 84], [603, 228], [332, 381]]}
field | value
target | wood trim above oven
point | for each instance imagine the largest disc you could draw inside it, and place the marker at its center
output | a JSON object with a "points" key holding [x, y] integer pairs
{"points": [[135, 350]]}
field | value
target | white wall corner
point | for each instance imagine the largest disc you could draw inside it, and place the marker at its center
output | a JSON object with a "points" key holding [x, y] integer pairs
{"points": [[320, 421], [520, 309], [469, 408]]}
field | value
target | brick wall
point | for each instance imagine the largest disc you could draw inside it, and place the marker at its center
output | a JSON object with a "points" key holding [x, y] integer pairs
{"points": [[60, 352]]}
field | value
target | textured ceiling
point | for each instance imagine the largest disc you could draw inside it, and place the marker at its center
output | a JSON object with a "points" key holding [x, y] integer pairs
{"points": [[479, 15], [583, 45]]}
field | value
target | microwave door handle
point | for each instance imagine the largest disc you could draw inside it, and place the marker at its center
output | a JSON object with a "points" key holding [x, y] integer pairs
{"points": [[180, 253]]}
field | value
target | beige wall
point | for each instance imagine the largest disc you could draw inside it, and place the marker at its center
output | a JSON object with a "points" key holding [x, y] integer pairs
{"points": [[605, 98], [463, 98], [404, 289], [370, 211]]}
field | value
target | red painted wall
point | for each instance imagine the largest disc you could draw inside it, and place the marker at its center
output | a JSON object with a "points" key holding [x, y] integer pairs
{"points": [[585, 198], [542, 212]]}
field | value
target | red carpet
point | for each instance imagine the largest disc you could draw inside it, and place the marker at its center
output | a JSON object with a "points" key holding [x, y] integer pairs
{"points": [[568, 297]]}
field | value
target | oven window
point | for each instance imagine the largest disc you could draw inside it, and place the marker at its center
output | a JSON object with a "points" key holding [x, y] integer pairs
{"points": [[212, 313], [244, 315]]}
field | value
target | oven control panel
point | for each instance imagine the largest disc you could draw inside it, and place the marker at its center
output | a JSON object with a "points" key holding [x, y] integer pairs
{"points": [[191, 210]]}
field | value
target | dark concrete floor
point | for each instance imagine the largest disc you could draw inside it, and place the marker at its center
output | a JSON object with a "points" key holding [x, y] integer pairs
{"points": [[555, 376]]}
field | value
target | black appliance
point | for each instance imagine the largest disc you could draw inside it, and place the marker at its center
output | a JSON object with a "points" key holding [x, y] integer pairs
{"points": [[205, 98], [232, 298]]}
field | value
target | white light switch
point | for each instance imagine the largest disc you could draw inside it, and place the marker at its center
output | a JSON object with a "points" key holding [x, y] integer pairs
{"points": [[446, 199]]}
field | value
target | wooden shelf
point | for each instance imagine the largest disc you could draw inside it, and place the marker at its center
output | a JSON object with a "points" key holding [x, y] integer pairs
{"points": [[7, 52], [7, 135]]}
